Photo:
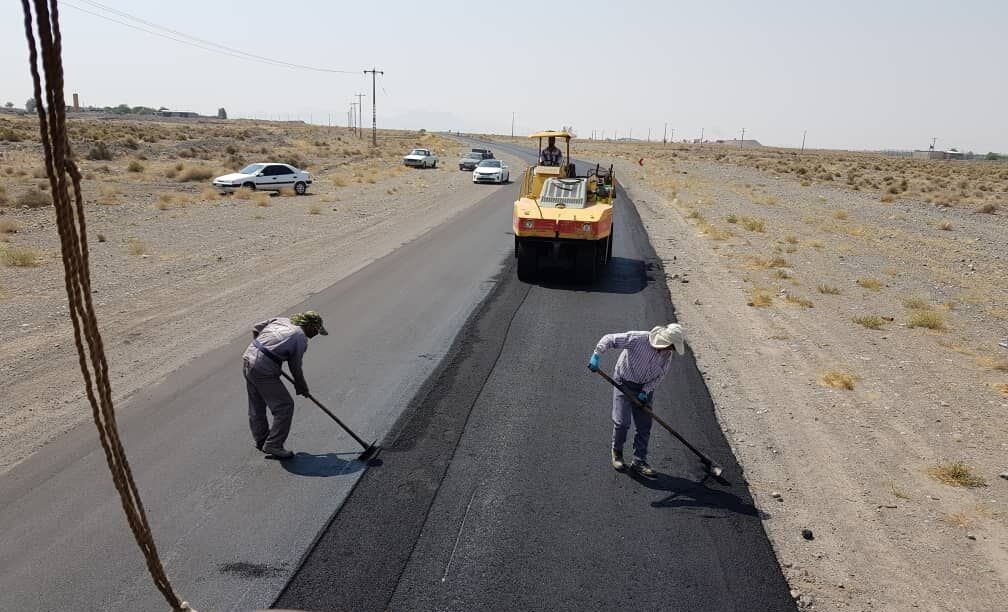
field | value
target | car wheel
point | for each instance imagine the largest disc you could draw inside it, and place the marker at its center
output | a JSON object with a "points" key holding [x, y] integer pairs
{"points": [[461, 168], [300, 188], [435, 164], [249, 185]]}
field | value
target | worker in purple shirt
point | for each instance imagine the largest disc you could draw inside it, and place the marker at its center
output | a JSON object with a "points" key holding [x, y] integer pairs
{"points": [[275, 341], [643, 363]]}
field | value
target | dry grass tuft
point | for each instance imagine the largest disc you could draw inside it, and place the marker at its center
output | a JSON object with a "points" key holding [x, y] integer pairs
{"points": [[137, 247], [760, 298], [800, 301], [945, 225], [840, 214], [33, 198], [196, 174], [931, 319], [261, 199], [1002, 387], [753, 224], [774, 262], [21, 257], [732, 218], [957, 474], [869, 283], [870, 321], [314, 210], [988, 208], [210, 195], [287, 192], [828, 289], [9, 226], [916, 302], [838, 380], [338, 181], [244, 194], [135, 166]]}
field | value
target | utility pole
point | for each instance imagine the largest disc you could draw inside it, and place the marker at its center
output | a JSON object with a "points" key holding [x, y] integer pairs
{"points": [[649, 135], [512, 123], [803, 140], [741, 139], [359, 97], [374, 105], [664, 138], [934, 139], [701, 137], [673, 135]]}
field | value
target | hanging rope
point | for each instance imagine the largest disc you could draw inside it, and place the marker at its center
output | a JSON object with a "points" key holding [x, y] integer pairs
{"points": [[73, 243]]}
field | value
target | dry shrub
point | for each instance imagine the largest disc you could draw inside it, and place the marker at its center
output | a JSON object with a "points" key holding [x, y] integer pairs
{"points": [[287, 191], [828, 289], [261, 199], [945, 225], [840, 214], [99, 151], [135, 246], [957, 474], [887, 198], [916, 302], [870, 321], [101, 238], [800, 301], [791, 239], [838, 380], [314, 210], [135, 166], [210, 195], [1002, 387], [9, 226], [33, 198], [773, 262], [244, 194], [930, 319], [760, 298], [39, 173], [338, 181], [732, 218], [869, 283], [196, 174], [988, 208], [753, 224], [21, 257]]}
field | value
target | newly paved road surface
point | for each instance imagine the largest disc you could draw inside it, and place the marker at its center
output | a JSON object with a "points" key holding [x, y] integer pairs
{"points": [[231, 526], [497, 494]]}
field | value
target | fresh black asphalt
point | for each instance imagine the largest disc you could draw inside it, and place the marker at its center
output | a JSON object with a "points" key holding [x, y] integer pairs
{"points": [[496, 491]]}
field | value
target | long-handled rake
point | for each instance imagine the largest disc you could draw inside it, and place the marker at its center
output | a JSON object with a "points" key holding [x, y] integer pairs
{"points": [[370, 450], [712, 468]]}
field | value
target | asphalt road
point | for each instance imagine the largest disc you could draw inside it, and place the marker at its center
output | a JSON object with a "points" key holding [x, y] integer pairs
{"points": [[497, 492], [231, 526]]}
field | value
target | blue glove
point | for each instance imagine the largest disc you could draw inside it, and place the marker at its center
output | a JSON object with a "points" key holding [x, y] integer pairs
{"points": [[642, 397], [593, 363]]}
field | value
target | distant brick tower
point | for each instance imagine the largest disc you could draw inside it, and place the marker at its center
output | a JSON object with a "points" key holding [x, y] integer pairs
{"points": [[76, 103]]}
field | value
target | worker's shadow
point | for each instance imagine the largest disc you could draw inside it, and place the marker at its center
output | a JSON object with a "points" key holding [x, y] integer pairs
{"points": [[684, 493], [323, 465]]}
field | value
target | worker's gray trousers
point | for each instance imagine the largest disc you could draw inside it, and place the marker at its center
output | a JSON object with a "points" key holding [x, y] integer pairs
{"points": [[264, 391], [623, 409]]}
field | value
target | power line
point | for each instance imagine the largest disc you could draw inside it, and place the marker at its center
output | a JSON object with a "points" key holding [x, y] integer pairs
{"points": [[193, 41]]}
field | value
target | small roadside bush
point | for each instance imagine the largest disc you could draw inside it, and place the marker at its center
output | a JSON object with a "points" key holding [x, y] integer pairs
{"points": [[99, 150]]}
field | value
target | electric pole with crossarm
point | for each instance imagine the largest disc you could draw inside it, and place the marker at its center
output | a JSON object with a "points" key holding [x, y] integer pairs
{"points": [[374, 105], [360, 107]]}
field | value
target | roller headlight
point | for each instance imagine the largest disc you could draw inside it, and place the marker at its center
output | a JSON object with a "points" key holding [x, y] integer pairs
{"points": [[586, 227], [528, 223]]}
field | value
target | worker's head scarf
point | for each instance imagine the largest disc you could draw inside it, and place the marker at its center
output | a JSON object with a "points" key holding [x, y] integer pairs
{"points": [[309, 317], [665, 336]]}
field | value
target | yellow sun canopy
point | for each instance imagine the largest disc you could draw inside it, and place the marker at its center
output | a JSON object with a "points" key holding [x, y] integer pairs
{"points": [[551, 134]]}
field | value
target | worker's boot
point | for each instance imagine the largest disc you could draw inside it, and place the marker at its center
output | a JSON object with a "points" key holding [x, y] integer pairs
{"points": [[617, 460], [277, 452], [642, 468]]}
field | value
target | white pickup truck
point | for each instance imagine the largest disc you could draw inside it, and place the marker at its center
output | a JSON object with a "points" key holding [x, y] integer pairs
{"points": [[421, 158]]}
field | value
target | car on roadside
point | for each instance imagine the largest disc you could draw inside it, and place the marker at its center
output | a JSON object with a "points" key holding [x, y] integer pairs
{"points": [[470, 160], [267, 176], [492, 171], [421, 158], [486, 153]]}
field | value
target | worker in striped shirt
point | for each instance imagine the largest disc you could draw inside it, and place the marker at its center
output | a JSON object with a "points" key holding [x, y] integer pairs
{"points": [[644, 361]]}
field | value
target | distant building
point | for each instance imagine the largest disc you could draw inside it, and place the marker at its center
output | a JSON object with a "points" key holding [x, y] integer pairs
{"points": [[933, 154], [735, 142], [174, 113]]}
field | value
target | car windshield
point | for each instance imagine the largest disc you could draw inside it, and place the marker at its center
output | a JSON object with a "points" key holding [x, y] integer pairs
{"points": [[419, 152], [490, 163], [252, 169], [563, 193]]}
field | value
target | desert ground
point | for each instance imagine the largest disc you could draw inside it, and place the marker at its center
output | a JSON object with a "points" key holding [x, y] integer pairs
{"points": [[845, 309], [178, 268]]}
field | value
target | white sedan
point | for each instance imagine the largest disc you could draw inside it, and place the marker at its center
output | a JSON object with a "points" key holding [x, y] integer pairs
{"points": [[267, 176], [421, 158], [491, 171]]}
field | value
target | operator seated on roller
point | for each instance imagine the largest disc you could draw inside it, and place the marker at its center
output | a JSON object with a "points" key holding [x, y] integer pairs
{"points": [[643, 363], [551, 155], [275, 341]]}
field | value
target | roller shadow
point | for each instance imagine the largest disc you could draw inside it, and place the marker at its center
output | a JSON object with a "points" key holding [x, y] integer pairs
{"points": [[322, 465], [622, 275]]}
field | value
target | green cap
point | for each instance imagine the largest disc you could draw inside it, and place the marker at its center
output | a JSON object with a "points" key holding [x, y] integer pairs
{"points": [[309, 317]]}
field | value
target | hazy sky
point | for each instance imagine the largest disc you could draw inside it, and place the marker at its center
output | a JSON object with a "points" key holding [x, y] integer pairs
{"points": [[855, 74]]}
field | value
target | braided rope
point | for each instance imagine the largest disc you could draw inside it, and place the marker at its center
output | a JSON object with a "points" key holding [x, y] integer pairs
{"points": [[72, 228]]}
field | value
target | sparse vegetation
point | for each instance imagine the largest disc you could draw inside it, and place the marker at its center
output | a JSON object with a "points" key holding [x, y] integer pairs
{"points": [[945, 225], [800, 301], [99, 151], [916, 302], [33, 198], [930, 319], [870, 321], [838, 379], [869, 283], [135, 166], [196, 174], [314, 210], [137, 247], [956, 474], [261, 199], [760, 298], [840, 214], [828, 289], [753, 224], [21, 257], [9, 226]]}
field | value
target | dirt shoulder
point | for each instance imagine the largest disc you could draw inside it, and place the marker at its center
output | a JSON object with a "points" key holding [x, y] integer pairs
{"points": [[176, 270], [768, 277]]}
